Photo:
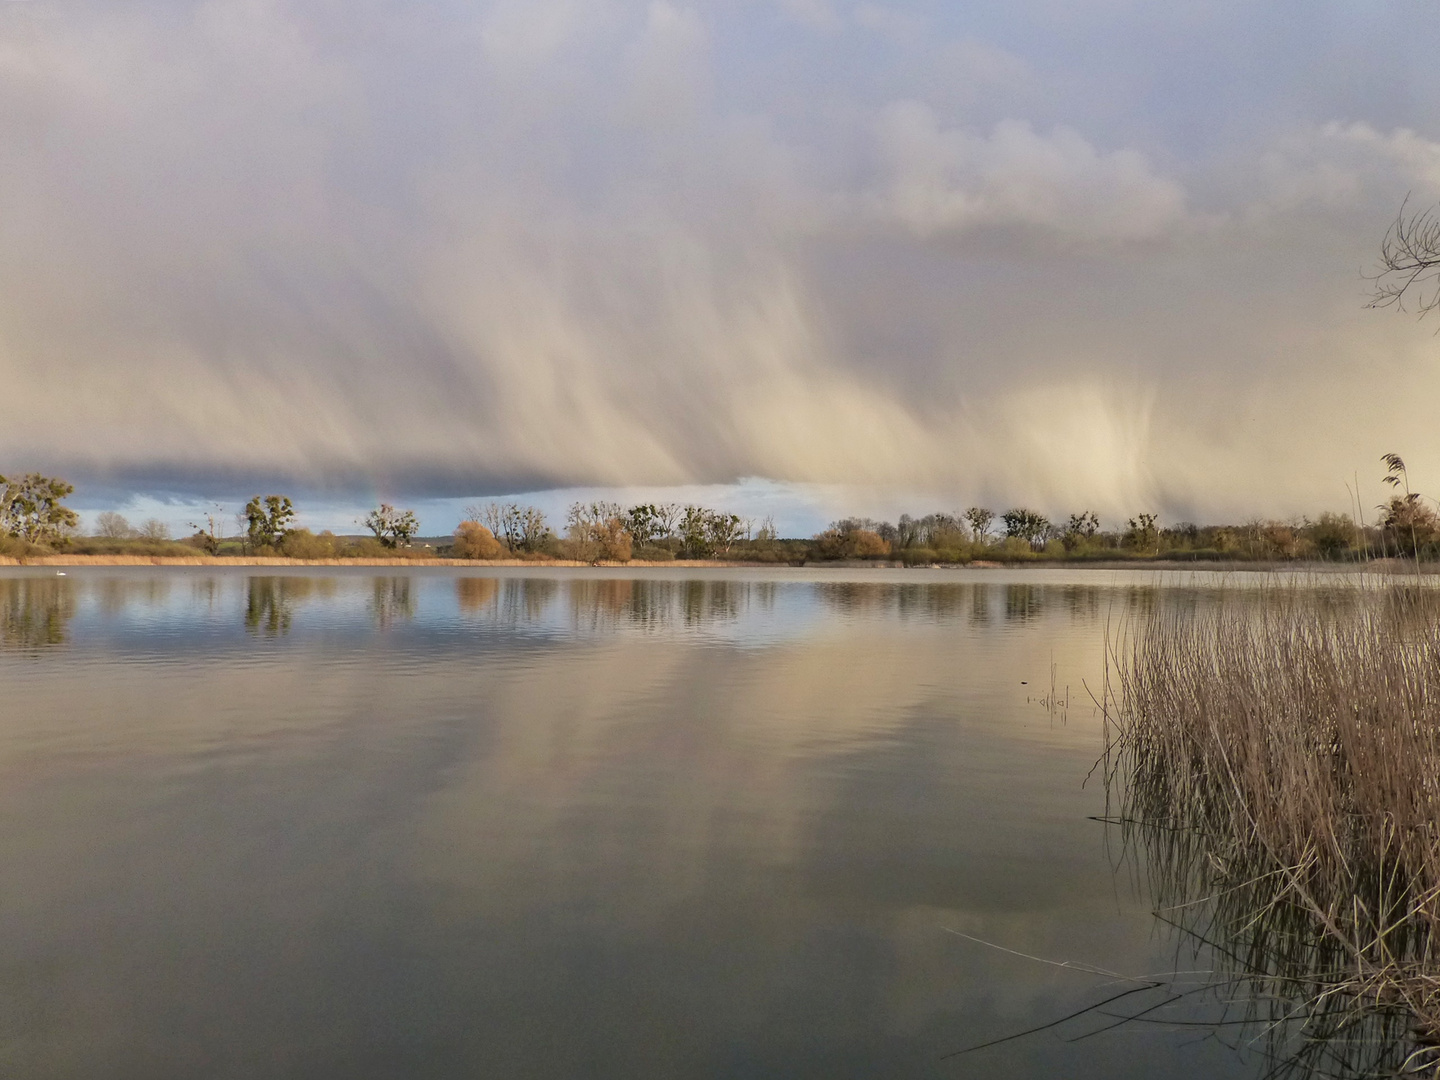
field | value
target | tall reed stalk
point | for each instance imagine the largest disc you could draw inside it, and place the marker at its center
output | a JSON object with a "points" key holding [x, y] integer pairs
{"points": [[1275, 757]]}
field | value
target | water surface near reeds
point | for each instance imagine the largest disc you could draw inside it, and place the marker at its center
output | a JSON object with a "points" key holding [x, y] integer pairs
{"points": [[601, 824]]}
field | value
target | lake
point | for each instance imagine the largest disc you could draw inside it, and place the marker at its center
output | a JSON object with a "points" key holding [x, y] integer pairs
{"points": [[611, 823]]}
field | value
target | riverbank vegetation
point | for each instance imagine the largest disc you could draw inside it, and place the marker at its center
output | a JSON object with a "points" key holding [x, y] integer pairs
{"points": [[34, 521], [1277, 768]]}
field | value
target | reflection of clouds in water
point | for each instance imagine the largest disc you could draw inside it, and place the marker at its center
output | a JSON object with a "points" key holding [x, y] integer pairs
{"points": [[35, 612], [635, 831], [666, 788]]}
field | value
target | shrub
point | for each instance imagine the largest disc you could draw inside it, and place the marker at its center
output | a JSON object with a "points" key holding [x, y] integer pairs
{"points": [[1014, 548], [303, 544], [475, 541], [599, 532], [1333, 535], [1409, 525], [844, 540]]}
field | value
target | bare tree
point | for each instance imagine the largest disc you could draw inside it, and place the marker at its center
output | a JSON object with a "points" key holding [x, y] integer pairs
{"points": [[1409, 262], [112, 526], [599, 530], [154, 529], [523, 527], [208, 536]]}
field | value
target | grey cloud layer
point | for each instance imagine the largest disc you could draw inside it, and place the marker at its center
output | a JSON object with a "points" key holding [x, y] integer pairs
{"points": [[471, 247]]}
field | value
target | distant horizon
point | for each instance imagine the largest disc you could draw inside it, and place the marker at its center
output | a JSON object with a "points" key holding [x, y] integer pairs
{"points": [[797, 512]]}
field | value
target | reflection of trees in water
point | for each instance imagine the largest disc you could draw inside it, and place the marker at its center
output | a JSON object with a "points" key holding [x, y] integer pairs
{"points": [[1024, 602], [980, 605], [270, 602], [267, 608], [1081, 601], [525, 600], [712, 601], [973, 601], [475, 594], [652, 605], [34, 612], [596, 603], [391, 601], [508, 601], [115, 594], [205, 592], [945, 601]]}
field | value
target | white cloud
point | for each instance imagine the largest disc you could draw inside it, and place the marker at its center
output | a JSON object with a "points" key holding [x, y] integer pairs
{"points": [[939, 180], [1337, 166]]}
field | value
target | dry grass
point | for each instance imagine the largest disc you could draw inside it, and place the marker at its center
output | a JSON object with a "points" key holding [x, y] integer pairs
{"points": [[263, 560], [1278, 762]]}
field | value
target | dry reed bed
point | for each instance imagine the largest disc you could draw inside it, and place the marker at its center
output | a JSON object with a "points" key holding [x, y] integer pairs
{"points": [[1276, 759], [262, 560]]}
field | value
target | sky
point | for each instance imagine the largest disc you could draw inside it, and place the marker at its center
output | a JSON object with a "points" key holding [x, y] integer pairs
{"points": [[803, 258]]}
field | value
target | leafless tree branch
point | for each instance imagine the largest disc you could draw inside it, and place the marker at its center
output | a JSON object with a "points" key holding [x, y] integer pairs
{"points": [[1408, 277]]}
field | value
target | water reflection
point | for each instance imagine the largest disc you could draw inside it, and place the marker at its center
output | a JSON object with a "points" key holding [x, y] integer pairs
{"points": [[599, 604], [1271, 973], [391, 601], [443, 850], [976, 602], [270, 602], [35, 612], [525, 600], [114, 594], [1023, 602], [476, 595]]}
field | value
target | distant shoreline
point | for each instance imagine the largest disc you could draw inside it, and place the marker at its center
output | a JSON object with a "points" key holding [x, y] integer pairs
{"points": [[1380, 566]]}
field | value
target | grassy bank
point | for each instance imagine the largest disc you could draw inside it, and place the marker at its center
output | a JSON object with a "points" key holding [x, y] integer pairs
{"points": [[1277, 767]]}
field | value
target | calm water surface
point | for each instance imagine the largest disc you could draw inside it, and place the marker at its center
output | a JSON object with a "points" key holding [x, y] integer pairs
{"points": [[575, 825]]}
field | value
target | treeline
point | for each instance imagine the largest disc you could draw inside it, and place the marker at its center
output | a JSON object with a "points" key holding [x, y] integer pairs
{"points": [[35, 521]]}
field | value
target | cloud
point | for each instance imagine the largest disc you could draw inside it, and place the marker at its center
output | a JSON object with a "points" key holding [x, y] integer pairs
{"points": [[940, 180], [465, 248], [1336, 166]]}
